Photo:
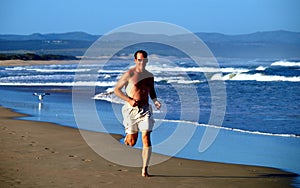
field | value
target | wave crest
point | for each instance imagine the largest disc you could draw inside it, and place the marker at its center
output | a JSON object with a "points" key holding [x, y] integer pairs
{"points": [[286, 64]]}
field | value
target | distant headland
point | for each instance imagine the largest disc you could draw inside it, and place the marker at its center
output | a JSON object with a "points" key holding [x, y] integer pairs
{"points": [[32, 56], [268, 44]]}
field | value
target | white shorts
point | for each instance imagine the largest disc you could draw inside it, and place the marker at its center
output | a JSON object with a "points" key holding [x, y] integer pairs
{"points": [[137, 118]]}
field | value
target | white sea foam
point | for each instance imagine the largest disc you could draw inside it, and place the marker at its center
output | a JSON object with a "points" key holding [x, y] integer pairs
{"points": [[67, 84], [15, 68], [217, 76], [49, 69], [176, 79], [35, 77], [261, 68], [60, 70], [195, 69], [109, 96], [260, 78], [110, 71], [184, 81], [286, 64], [229, 129], [234, 70], [106, 76]]}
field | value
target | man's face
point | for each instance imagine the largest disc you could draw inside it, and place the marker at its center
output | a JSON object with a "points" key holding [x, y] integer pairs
{"points": [[140, 60]]}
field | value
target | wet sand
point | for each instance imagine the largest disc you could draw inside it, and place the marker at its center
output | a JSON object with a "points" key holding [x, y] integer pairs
{"points": [[38, 154]]}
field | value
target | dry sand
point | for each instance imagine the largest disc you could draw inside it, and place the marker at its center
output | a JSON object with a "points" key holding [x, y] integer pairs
{"points": [[37, 154]]}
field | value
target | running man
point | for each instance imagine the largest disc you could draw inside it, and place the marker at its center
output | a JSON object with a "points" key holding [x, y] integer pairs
{"points": [[137, 113]]}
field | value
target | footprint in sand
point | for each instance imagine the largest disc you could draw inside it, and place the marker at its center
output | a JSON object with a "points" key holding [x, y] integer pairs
{"points": [[24, 137], [33, 143], [51, 150], [72, 156], [86, 160], [123, 170]]}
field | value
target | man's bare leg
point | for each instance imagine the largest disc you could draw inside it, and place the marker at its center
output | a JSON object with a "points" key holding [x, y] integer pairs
{"points": [[146, 153]]}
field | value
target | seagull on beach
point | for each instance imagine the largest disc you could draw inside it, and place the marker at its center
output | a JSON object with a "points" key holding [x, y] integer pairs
{"points": [[40, 95]]}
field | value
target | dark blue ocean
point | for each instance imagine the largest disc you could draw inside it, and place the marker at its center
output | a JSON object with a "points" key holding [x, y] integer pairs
{"points": [[261, 124]]}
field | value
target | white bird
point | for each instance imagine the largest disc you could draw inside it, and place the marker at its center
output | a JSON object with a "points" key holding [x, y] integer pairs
{"points": [[40, 95]]}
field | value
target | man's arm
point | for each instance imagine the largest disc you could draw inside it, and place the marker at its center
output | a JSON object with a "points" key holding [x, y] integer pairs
{"points": [[118, 89], [152, 94]]}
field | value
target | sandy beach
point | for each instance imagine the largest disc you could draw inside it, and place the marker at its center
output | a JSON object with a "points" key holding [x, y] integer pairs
{"points": [[38, 154]]}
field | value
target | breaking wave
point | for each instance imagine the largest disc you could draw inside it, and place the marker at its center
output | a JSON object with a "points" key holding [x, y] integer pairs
{"points": [[286, 64], [260, 78]]}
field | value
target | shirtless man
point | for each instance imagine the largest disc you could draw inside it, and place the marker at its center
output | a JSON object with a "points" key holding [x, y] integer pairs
{"points": [[137, 112]]}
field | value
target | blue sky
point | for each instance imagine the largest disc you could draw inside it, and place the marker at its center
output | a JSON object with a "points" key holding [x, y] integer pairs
{"points": [[99, 17]]}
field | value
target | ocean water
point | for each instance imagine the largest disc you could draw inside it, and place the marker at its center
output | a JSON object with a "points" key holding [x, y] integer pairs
{"points": [[261, 123]]}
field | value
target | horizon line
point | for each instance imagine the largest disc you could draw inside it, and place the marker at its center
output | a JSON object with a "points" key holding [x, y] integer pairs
{"points": [[40, 33]]}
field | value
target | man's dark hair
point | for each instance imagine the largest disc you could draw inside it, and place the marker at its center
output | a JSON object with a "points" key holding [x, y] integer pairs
{"points": [[145, 54]]}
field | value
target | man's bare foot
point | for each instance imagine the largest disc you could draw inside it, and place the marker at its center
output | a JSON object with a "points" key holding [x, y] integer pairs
{"points": [[145, 172]]}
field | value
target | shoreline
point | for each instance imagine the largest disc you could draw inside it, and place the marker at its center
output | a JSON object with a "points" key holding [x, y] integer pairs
{"points": [[39, 154]]}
